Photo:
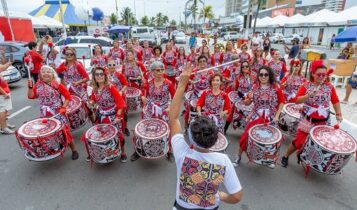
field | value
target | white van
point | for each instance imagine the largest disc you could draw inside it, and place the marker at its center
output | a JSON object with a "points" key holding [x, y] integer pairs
{"points": [[140, 30]]}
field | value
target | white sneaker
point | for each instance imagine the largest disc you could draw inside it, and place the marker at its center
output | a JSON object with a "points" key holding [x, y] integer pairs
{"points": [[237, 161], [270, 165], [7, 131], [11, 126]]}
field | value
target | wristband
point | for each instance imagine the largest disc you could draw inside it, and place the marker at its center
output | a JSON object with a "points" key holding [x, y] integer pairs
{"points": [[338, 114]]}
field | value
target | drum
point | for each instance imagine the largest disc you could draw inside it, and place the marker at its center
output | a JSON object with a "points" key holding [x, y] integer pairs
{"points": [[133, 98], [193, 110], [188, 96], [42, 139], [289, 118], [233, 97], [76, 113], [149, 112], [327, 150], [240, 113], [221, 144], [152, 138], [103, 143], [263, 144]]}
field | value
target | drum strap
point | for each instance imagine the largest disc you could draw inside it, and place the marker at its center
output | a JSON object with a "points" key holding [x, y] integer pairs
{"points": [[178, 207]]}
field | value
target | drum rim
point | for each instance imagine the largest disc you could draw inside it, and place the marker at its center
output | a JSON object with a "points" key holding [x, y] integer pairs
{"points": [[270, 143], [328, 149], [288, 113], [188, 93], [78, 106], [95, 141], [132, 96], [225, 146], [150, 138], [22, 134], [192, 101], [241, 102]]}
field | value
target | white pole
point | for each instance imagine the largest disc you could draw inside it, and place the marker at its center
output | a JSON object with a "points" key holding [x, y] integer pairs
{"points": [[62, 20], [6, 13], [117, 11]]}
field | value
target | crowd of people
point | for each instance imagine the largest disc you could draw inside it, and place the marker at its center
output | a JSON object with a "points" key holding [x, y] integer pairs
{"points": [[260, 76]]}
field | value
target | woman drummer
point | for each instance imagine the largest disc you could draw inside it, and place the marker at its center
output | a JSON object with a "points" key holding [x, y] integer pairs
{"points": [[156, 97], [230, 73], [73, 75], [169, 59], [133, 70], [119, 81], [242, 84], [229, 51], [49, 91], [257, 60], [268, 100], [206, 52], [99, 59], [277, 65], [109, 103], [214, 102], [244, 55], [292, 81], [316, 96], [116, 53]]}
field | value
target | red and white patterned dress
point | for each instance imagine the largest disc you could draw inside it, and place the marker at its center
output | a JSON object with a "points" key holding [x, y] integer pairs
{"points": [[200, 82], [169, 60], [192, 58], [213, 105], [256, 64], [132, 72], [99, 60], [72, 74], [292, 86], [116, 54], [229, 74], [279, 69], [244, 56], [244, 84], [148, 53], [158, 99]]}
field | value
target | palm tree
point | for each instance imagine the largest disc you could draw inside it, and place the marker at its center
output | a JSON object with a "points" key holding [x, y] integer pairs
{"points": [[127, 16], [113, 19], [152, 21], [194, 10], [206, 13], [165, 19], [173, 23], [159, 19], [145, 21]]}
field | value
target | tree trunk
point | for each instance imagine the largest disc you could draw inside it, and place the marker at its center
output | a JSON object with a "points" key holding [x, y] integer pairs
{"points": [[248, 20], [256, 15]]}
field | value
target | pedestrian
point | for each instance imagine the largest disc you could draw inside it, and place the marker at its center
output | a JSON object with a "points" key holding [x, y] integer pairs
{"points": [[316, 96], [332, 42], [34, 61], [346, 52], [5, 103], [192, 162], [305, 43], [53, 56], [193, 40], [266, 46]]}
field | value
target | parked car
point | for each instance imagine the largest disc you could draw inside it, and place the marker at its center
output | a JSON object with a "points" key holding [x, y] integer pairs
{"points": [[288, 39], [180, 38], [104, 41], [231, 36], [16, 50], [11, 75], [150, 37], [277, 38], [164, 38]]}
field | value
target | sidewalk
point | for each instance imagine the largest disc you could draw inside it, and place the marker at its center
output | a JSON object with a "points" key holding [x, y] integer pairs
{"points": [[349, 111]]}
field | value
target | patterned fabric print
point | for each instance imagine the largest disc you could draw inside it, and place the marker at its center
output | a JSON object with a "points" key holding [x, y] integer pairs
{"points": [[192, 58], [132, 70], [180, 62], [234, 71], [159, 96], [147, 55], [106, 105], [217, 58], [115, 81], [257, 65], [243, 57], [214, 105], [169, 57], [226, 57], [320, 101], [245, 84], [292, 87], [199, 182], [100, 61], [201, 81], [72, 75], [277, 67], [116, 54], [264, 99]]}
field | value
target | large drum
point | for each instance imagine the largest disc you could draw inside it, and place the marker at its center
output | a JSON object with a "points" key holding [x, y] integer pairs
{"points": [[327, 150], [233, 97], [152, 138], [240, 113], [263, 144], [133, 98], [289, 118], [42, 139], [103, 143], [221, 144], [76, 113], [151, 112], [193, 110]]}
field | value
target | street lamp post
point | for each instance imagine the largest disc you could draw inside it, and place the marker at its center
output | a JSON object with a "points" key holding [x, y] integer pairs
{"points": [[6, 13], [62, 19]]}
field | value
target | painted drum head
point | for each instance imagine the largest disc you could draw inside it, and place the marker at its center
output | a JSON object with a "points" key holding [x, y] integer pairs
{"points": [[152, 129], [233, 96], [265, 134], [334, 140], [193, 103], [188, 95], [221, 144], [101, 133], [241, 106], [40, 127], [292, 110], [132, 92], [74, 104]]}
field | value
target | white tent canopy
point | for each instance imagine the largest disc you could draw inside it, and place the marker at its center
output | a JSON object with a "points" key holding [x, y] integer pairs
{"points": [[344, 17], [263, 21], [321, 17], [277, 21], [45, 22], [38, 22], [294, 20]]}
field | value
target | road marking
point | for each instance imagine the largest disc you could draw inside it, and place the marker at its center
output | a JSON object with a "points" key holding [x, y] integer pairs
{"points": [[19, 111], [350, 123]]}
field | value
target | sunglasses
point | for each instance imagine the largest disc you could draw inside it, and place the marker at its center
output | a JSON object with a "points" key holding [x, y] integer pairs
{"points": [[69, 54], [321, 74], [263, 75], [159, 70], [245, 66], [111, 64], [99, 74]]}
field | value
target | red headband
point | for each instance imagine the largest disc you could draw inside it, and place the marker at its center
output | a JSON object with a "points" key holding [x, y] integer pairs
{"points": [[295, 62], [316, 64]]}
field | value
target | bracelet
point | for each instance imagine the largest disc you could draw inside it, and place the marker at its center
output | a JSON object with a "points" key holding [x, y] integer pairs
{"points": [[338, 114]]}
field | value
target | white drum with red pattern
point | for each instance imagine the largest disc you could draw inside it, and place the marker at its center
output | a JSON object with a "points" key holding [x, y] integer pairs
{"points": [[133, 98], [188, 96], [152, 138], [233, 97], [240, 114], [263, 144], [193, 110], [290, 118], [103, 143], [221, 144], [327, 150], [76, 113], [42, 139]]}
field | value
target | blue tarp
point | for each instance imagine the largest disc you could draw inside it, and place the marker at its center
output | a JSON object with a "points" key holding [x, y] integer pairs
{"points": [[348, 35], [119, 29]]}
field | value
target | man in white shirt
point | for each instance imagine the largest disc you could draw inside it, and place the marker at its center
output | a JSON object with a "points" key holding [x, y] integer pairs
{"points": [[200, 172]]}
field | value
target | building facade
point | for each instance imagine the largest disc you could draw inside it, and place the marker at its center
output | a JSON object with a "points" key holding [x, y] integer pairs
{"points": [[236, 7], [334, 5]]}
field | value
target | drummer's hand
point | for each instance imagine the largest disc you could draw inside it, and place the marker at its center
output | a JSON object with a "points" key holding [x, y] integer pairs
{"points": [[276, 119], [199, 113], [144, 99], [222, 114], [29, 83], [63, 110], [185, 75], [339, 118]]}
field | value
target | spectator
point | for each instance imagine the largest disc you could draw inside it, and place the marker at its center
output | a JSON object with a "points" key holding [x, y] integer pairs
{"points": [[352, 83], [193, 40], [347, 52], [305, 43], [5, 102], [266, 46], [294, 50], [332, 42], [34, 61]]}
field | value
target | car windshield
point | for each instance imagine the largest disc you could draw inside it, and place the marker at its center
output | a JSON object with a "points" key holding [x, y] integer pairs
{"points": [[147, 36], [180, 34], [233, 33], [81, 51]]}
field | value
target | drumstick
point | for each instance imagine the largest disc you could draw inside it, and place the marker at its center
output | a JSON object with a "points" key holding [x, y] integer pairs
{"points": [[213, 67]]}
